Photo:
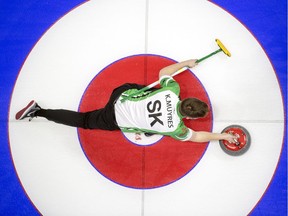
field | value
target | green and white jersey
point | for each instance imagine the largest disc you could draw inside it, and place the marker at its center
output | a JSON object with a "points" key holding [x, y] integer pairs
{"points": [[153, 111]]}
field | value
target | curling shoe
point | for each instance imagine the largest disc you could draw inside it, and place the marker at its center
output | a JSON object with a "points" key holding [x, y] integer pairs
{"points": [[28, 111]]}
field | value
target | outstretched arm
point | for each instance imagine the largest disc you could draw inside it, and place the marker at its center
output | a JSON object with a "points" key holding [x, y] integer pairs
{"points": [[169, 70], [202, 136]]}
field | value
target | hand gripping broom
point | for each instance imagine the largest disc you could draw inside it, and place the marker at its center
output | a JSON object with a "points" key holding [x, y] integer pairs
{"points": [[222, 48]]}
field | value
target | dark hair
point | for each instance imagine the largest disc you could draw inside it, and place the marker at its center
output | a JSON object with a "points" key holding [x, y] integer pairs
{"points": [[194, 108]]}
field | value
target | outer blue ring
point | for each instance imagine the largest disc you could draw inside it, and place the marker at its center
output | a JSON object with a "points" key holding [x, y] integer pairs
{"points": [[22, 23]]}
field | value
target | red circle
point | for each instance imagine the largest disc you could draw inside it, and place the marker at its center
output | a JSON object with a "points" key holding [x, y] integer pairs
{"points": [[132, 165], [242, 139]]}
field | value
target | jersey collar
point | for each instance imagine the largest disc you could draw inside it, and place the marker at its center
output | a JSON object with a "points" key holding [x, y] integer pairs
{"points": [[178, 110]]}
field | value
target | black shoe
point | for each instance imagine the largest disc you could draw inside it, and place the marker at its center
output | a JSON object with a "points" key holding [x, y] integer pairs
{"points": [[28, 111]]}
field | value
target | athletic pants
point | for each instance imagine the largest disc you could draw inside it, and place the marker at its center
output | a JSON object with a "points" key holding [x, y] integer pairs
{"points": [[98, 119]]}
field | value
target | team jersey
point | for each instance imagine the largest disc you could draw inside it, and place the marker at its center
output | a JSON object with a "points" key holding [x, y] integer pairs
{"points": [[153, 111]]}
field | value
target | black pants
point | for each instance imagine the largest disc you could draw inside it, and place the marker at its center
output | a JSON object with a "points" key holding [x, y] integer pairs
{"points": [[98, 119]]}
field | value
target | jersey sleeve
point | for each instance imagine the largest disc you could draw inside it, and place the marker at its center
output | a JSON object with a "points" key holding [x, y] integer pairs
{"points": [[183, 133], [168, 81]]}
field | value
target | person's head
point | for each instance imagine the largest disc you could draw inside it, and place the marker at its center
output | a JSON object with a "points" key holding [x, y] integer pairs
{"points": [[193, 108]]}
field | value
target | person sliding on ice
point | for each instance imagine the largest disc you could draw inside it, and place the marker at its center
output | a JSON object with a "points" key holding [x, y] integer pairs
{"points": [[155, 111]]}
